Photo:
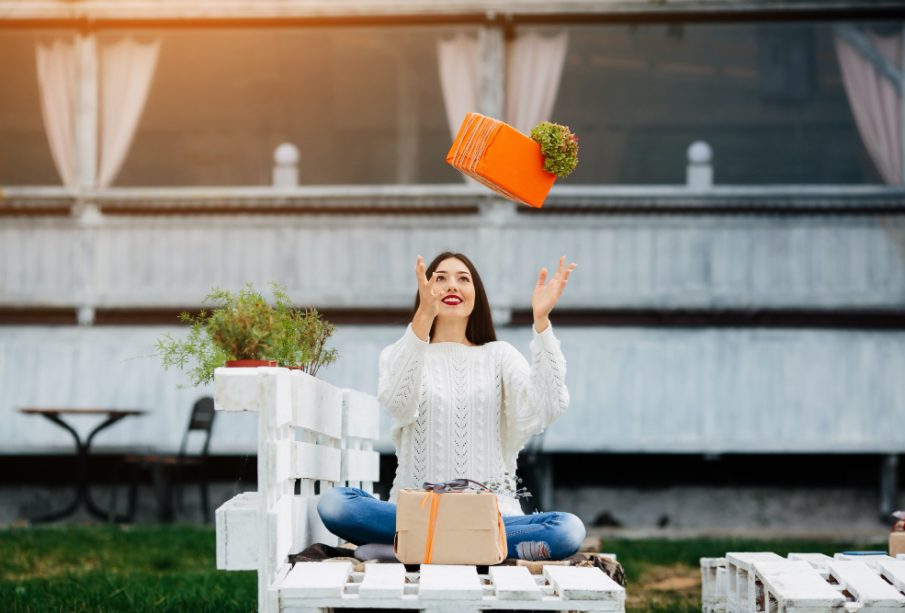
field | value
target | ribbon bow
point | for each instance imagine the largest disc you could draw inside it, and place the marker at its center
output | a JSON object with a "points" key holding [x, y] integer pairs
{"points": [[449, 486]]}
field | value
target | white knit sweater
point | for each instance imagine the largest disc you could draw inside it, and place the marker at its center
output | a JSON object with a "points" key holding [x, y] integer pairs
{"points": [[461, 411]]}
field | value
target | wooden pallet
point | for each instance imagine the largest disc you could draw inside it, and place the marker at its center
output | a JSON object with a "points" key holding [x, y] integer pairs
{"points": [[316, 585], [763, 582], [313, 436]]}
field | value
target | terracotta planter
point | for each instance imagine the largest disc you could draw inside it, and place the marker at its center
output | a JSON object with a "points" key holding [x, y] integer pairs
{"points": [[250, 363], [502, 158]]}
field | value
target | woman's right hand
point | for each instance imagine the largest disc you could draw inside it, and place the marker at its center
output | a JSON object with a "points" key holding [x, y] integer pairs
{"points": [[428, 291]]}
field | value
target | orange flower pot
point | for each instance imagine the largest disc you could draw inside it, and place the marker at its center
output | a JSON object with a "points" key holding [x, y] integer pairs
{"points": [[502, 158]]}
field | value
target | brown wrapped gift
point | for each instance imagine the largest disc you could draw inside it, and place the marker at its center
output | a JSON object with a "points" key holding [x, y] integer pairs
{"points": [[454, 527]]}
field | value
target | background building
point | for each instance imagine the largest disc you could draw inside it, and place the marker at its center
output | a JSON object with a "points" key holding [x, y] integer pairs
{"points": [[736, 321]]}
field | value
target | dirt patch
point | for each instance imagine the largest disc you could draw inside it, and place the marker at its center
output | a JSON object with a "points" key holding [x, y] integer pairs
{"points": [[662, 585]]}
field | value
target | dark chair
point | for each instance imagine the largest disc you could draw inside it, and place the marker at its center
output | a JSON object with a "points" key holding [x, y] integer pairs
{"points": [[166, 469]]}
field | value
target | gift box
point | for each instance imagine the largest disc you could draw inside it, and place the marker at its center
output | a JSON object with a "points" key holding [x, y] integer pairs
{"points": [[502, 158], [455, 527], [896, 543]]}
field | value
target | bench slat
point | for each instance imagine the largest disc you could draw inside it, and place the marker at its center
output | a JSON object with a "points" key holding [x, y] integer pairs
{"points": [[583, 583], [316, 579], [797, 584], [360, 465], [316, 405], [865, 584], [361, 415], [318, 462], [382, 581], [514, 583], [894, 571], [448, 581]]}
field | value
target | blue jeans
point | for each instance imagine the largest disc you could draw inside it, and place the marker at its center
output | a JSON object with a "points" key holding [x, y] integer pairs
{"points": [[356, 516]]}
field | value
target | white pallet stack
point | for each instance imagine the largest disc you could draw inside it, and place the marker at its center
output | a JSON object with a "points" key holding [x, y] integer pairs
{"points": [[764, 582], [313, 436]]}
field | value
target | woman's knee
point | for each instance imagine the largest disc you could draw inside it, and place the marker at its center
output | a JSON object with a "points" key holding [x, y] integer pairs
{"points": [[561, 537], [334, 505], [571, 534]]}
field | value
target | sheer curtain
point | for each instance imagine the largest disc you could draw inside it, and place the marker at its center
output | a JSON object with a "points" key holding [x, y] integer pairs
{"points": [[458, 59], [57, 65], [872, 72], [534, 66], [126, 70]]}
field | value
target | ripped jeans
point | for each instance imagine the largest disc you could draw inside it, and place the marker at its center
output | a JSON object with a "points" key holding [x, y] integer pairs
{"points": [[356, 516]]}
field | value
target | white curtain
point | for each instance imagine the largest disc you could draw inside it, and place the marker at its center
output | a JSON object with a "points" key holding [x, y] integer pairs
{"points": [[58, 83], [534, 65], [458, 59], [127, 68], [875, 103]]}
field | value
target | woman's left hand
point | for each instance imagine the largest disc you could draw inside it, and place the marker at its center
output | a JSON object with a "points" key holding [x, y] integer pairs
{"points": [[546, 295]]}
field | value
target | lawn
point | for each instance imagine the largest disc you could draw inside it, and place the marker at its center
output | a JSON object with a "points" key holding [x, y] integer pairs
{"points": [[109, 569]]}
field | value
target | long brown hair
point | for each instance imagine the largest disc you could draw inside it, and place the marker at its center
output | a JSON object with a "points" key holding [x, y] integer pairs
{"points": [[480, 323]]}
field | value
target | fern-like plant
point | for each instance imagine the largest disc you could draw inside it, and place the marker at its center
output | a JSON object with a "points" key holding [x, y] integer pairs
{"points": [[244, 326], [559, 147]]}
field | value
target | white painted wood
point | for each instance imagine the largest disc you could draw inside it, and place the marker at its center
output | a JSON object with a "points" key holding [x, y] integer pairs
{"points": [[316, 579], [894, 571], [330, 407], [871, 560], [237, 389], [818, 560], [318, 462], [281, 458], [793, 584], [361, 415], [412, 601], [449, 582], [514, 583], [382, 581], [358, 465], [279, 527], [709, 585], [583, 583], [301, 527], [237, 527], [866, 585], [317, 530], [740, 576], [314, 405], [276, 395]]}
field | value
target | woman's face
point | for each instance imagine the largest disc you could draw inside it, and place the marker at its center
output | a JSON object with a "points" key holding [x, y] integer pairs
{"points": [[454, 281]]}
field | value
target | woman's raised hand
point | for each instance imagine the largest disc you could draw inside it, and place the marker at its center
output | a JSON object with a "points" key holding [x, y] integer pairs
{"points": [[546, 295], [428, 291]]}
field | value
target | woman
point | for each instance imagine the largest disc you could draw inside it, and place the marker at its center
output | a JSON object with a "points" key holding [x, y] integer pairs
{"points": [[463, 405]]}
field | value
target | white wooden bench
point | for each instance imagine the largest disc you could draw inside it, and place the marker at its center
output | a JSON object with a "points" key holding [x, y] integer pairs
{"points": [[313, 436], [754, 582]]}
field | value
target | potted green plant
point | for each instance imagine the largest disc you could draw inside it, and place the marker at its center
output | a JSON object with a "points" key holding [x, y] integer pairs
{"points": [[302, 337], [243, 330], [559, 147]]}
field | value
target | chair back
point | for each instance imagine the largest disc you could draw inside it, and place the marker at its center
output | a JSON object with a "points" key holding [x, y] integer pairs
{"points": [[201, 420]]}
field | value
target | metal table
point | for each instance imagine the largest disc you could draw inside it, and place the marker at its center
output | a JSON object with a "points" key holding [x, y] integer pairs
{"points": [[83, 450]]}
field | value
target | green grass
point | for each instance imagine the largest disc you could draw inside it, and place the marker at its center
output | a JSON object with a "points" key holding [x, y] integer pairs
{"points": [[108, 569], [75, 569]]}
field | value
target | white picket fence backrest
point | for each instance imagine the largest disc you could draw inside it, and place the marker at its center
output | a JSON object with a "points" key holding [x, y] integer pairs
{"points": [[312, 436]]}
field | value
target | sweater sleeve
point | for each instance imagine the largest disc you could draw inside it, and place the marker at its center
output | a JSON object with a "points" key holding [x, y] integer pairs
{"points": [[534, 395], [399, 378]]}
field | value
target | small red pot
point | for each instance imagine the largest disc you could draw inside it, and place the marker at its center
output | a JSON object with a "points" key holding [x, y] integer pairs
{"points": [[250, 363]]}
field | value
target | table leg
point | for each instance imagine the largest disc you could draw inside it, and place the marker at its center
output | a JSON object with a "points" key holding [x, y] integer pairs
{"points": [[82, 493], [89, 502], [80, 475]]}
